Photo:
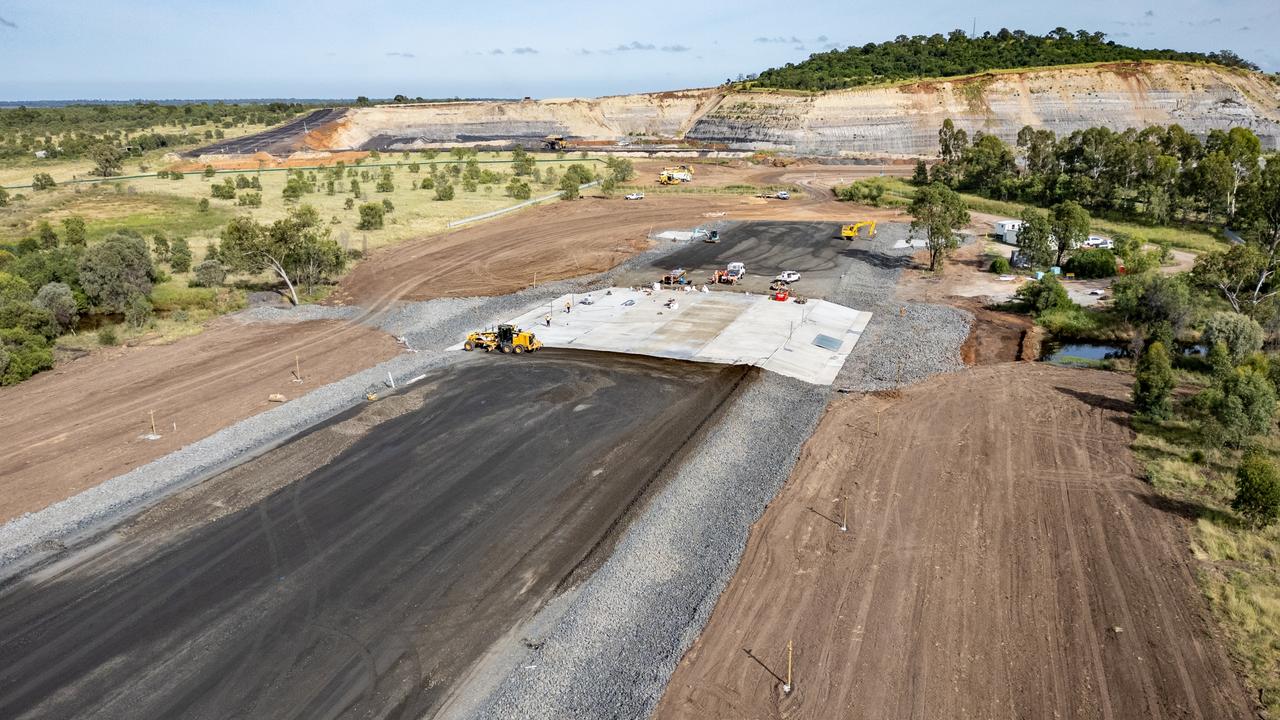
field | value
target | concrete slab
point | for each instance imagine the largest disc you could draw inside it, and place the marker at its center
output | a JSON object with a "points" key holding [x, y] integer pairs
{"points": [[717, 327]]}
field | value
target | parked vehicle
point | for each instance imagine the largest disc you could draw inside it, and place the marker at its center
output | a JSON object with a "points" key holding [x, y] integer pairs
{"points": [[783, 195], [633, 196], [788, 276]]}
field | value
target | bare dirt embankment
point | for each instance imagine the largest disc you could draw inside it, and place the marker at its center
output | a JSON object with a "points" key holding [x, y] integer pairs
{"points": [[892, 120], [1002, 560]]}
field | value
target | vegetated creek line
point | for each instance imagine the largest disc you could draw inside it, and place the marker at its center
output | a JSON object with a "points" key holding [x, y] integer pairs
{"points": [[364, 588]]}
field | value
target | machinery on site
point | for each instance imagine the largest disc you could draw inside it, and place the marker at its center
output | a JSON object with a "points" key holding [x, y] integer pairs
{"points": [[782, 294], [854, 230], [732, 273], [675, 175], [554, 143], [506, 339], [675, 277], [711, 237]]}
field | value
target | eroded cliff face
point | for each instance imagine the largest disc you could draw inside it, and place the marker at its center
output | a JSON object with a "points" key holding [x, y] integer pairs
{"points": [[905, 119], [899, 120]]}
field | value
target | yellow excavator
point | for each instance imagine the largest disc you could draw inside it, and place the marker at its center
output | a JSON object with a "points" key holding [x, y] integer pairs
{"points": [[506, 339], [852, 231]]}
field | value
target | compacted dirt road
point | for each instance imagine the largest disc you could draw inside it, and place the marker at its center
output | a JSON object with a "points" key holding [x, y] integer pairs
{"points": [[73, 427], [1002, 560]]}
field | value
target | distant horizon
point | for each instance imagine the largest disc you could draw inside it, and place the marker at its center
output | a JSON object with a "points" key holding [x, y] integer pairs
{"points": [[76, 49]]}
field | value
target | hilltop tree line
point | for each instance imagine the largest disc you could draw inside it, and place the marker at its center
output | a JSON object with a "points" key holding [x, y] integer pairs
{"points": [[919, 56], [72, 130]]}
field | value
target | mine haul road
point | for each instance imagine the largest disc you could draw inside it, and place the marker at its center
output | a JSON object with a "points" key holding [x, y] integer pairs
{"points": [[359, 570]]}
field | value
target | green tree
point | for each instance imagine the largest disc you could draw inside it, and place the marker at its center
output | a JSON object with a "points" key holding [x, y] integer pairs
{"points": [[1240, 273], [385, 184], [1154, 382], [225, 190], [209, 273], [1043, 295], [1257, 490], [622, 169], [1239, 405], [73, 231], [160, 247], [108, 159], [46, 234], [1153, 298], [920, 177], [1091, 263], [209, 172], [115, 270], [522, 163], [1070, 226], [1242, 149], [989, 166], [1034, 241], [58, 299], [180, 256], [371, 215], [288, 247], [22, 354], [250, 199], [519, 189], [14, 289], [1241, 335], [42, 181], [939, 213]]}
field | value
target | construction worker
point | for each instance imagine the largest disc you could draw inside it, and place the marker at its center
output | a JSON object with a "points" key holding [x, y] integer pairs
{"points": [[548, 319], [567, 306]]}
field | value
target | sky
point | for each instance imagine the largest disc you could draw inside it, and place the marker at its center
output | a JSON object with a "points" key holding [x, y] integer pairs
{"points": [[165, 49]]}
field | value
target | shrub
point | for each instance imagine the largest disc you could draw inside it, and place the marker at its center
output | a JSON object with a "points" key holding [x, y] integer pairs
{"points": [[1241, 334], [1240, 404], [1000, 266], [42, 181], [251, 199], [1154, 382], [138, 311], [29, 317], [371, 215], [444, 191], [224, 190], [385, 184], [73, 231], [180, 255], [107, 336], [1257, 490], [349, 203], [56, 297], [428, 183], [209, 273], [203, 205], [1092, 263], [387, 205], [115, 270], [519, 189], [1043, 295], [25, 354]]}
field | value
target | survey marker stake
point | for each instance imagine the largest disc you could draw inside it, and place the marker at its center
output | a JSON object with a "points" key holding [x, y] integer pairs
{"points": [[786, 686]]}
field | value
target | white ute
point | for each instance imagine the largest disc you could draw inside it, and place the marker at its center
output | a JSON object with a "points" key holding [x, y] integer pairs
{"points": [[634, 196]]}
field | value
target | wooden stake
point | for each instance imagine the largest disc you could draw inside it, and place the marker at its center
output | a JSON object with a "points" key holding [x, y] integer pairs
{"points": [[844, 513], [786, 687], [153, 423]]}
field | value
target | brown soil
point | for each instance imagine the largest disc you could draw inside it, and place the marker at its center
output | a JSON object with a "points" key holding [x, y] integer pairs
{"points": [[996, 337], [71, 428], [1002, 561], [551, 242], [267, 160]]}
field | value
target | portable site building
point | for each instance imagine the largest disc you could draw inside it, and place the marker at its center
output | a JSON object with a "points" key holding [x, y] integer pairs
{"points": [[1007, 231]]}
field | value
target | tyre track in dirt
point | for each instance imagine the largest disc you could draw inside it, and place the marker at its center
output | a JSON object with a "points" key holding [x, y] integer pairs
{"points": [[1002, 560]]}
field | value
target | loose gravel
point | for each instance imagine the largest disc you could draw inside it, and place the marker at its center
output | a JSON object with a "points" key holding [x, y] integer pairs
{"points": [[611, 653]]}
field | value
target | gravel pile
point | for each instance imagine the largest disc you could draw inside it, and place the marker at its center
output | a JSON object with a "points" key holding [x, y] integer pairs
{"points": [[614, 649], [302, 313]]}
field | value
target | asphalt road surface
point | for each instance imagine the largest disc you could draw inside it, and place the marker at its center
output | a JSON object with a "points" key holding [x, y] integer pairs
{"points": [[277, 141], [813, 249], [364, 587]]}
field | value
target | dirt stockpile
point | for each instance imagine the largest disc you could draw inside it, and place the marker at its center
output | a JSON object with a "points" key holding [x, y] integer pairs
{"points": [[1001, 560], [901, 119]]}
